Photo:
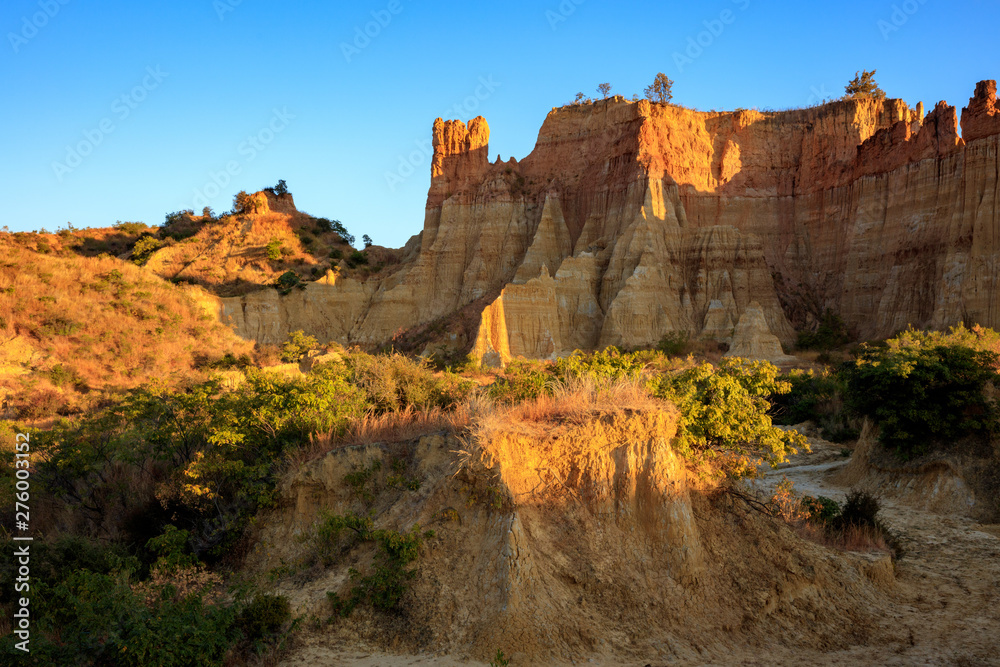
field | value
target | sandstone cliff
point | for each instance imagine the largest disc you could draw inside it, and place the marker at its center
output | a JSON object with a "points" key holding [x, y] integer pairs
{"points": [[629, 220]]}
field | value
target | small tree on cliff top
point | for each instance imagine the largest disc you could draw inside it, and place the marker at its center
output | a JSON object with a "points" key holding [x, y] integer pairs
{"points": [[863, 85], [604, 89], [660, 89]]}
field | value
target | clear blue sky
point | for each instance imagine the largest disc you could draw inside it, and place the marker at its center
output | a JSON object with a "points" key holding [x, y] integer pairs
{"points": [[344, 121]]}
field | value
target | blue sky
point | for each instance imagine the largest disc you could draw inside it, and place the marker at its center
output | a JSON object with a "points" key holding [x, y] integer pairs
{"points": [[129, 110]]}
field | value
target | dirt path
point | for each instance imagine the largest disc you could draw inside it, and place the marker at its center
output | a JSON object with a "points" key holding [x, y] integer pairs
{"points": [[945, 606]]}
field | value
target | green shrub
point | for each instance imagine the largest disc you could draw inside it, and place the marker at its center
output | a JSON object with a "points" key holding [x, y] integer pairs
{"points": [[288, 281], [831, 332], [821, 508], [175, 217], [93, 618], [133, 228], [816, 397], [605, 365], [393, 382], [357, 257], [297, 346], [55, 560], [925, 388], [172, 548], [388, 577], [144, 249], [861, 508], [724, 410], [521, 381], [212, 454], [675, 343], [61, 375], [327, 225], [264, 617], [273, 249]]}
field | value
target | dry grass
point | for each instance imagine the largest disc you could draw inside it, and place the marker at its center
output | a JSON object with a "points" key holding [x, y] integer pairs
{"points": [[389, 427], [574, 444], [72, 325], [865, 539], [575, 402]]}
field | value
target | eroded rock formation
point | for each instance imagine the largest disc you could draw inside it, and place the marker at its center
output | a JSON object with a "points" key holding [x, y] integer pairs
{"points": [[630, 220]]}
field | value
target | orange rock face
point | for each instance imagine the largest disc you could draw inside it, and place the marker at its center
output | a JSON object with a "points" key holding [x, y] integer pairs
{"points": [[630, 220]]}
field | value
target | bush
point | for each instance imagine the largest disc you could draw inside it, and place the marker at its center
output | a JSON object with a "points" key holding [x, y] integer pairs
{"points": [[134, 228], [831, 332], [94, 618], [144, 249], [175, 217], [816, 397], [820, 508], [605, 365], [521, 381], [264, 617], [273, 249], [288, 281], [357, 257], [724, 412], [925, 388], [245, 203], [674, 343], [394, 382], [297, 346], [211, 455], [860, 509], [387, 581]]}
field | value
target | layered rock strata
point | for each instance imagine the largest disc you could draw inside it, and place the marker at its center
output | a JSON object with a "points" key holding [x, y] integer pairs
{"points": [[630, 220]]}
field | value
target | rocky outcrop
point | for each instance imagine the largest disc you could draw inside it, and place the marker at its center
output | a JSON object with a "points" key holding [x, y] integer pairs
{"points": [[752, 338], [630, 220]]}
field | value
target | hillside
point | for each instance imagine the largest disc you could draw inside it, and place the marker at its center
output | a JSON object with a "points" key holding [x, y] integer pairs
{"points": [[241, 252], [631, 220], [76, 329]]}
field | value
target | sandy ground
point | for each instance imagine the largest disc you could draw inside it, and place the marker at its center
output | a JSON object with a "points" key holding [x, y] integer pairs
{"points": [[944, 606], [946, 601]]}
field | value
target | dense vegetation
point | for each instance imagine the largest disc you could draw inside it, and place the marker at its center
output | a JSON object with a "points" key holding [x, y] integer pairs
{"points": [[923, 390]]}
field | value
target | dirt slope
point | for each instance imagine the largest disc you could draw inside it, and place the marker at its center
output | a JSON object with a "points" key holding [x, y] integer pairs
{"points": [[570, 534], [938, 608]]}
